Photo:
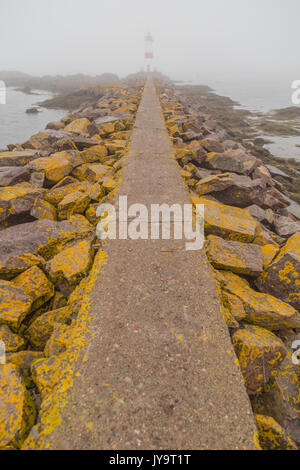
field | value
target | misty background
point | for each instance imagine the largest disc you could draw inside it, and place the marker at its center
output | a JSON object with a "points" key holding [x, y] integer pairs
{"points": [[194, 39]]}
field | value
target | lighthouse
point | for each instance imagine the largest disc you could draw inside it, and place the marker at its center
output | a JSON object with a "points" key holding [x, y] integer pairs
{"points": [[149, 55]]}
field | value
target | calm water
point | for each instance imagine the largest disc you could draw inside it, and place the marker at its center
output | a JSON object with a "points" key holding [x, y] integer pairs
{"points": [[15, 125], [263, 97]]}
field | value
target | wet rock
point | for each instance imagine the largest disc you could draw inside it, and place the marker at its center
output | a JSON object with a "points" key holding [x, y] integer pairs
{"points": [[17, 200], [285, 227], [42, 327], [282, 277], [13, 175], [235, 161], [70, 266], [13, 342], [260, 353], [41, 237], [54, 167], [43, 210], [17, 412], [227, 222], [240, 258], [36, 285], [272, 436], [75, 202], [15, 304], [262, 309], [17, 158]]}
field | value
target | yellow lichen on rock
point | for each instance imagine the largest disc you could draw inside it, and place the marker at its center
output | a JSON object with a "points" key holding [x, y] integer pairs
{"points": [[13, 342], [268, 253], [17, 411], [272, 436], [36, 285], [240, 258], [92, 172], [94, 154], [67, 268], [228, 222], [40, 330], [74, 203], [14, 305], [262, 309], [42, 209], [79, 126], [260, 354], [54, 167]]}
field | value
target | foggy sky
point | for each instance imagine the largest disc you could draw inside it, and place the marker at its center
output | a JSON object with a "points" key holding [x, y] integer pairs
{"points": [[193, 38]]}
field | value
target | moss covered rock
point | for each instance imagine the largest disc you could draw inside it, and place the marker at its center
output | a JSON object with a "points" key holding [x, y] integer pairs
{"points": [[79, 126], [74, 203], [17, 200], [42, 209]]}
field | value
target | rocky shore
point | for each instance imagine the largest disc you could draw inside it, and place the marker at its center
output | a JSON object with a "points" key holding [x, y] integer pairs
{"points": [[50, 188], [252, 228]]}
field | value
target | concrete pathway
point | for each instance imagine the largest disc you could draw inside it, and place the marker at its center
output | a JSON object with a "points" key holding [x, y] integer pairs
{"points": [[161, 372]]}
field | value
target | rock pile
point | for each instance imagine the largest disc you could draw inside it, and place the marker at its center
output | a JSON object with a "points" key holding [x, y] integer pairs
{"points": [[252, 229], [50, 188]]}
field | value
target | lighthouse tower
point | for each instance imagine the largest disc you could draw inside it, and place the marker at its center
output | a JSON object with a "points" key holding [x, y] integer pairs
{"points": [[149, 55]]}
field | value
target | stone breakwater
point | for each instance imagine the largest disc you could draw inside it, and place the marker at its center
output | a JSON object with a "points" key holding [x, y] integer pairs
{"points": [[50, 188], [252, 229]]}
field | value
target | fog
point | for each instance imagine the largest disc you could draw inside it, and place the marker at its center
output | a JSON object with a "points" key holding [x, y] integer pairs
{"points": [[194, 39]]}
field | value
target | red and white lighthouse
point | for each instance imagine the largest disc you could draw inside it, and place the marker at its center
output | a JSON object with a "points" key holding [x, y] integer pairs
{"points": [[149, 55]]}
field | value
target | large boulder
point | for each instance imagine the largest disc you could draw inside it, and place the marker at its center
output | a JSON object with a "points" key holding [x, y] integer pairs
{"points": [[211, 145], [95, 154], [17, 200], [74, 203], [260, 354], [17, 411], [42, 209], [213, 183], [42, 327], [240, 258], [13, 175], [15, 305], [92, 172], [243, 191], [262, 309], [227, 222], [13, 342], [282, 277], [79, 126], [17, 158], [236, 161], [36, 285], [21, 245], [54, 167], [272, 436], [285, 227], [71, 265]]}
